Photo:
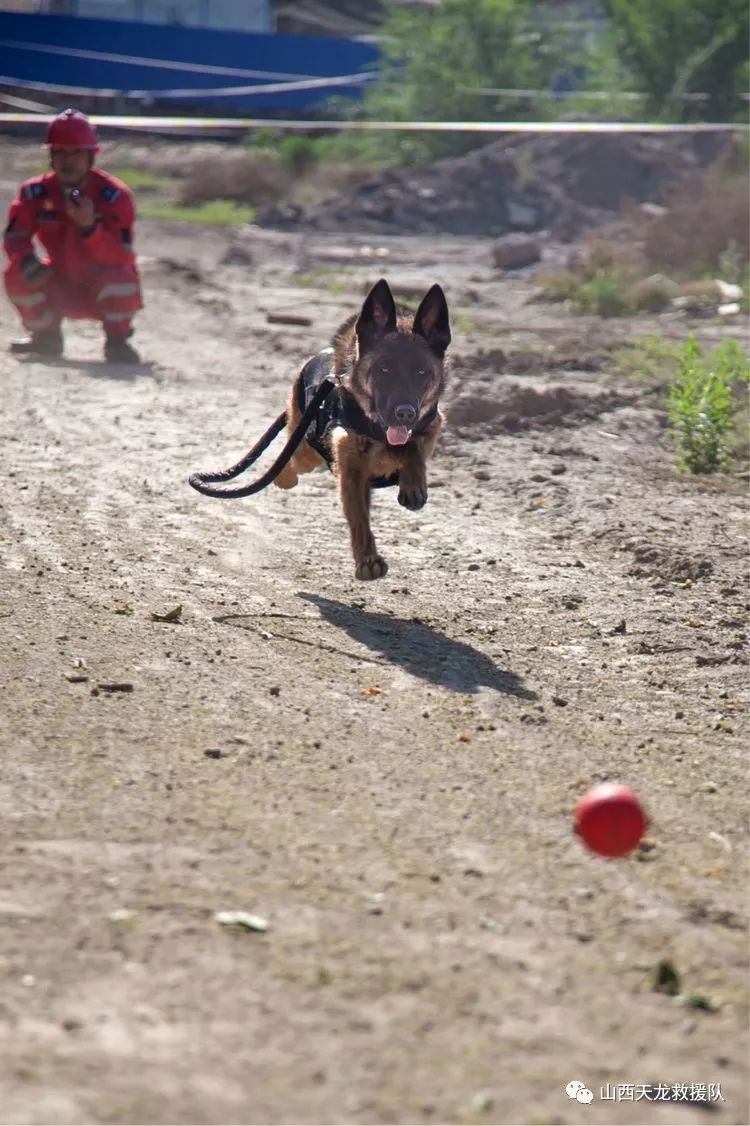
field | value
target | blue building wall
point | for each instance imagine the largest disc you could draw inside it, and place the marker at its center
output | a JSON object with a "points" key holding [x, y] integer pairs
{"points": [[130, 58]]}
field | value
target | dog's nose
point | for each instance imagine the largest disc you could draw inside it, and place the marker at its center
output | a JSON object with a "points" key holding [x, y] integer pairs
{"points": [[405, 413]]}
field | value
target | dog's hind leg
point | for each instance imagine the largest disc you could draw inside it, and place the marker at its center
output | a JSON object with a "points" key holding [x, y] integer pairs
{"points": [[352, 467], [305, 458], [287, 479]]}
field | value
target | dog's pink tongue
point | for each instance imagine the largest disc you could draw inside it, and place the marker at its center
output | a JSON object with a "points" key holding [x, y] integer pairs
{"points": [[398, 435]]}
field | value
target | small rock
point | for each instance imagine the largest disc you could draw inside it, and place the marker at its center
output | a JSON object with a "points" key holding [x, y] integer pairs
{"points": [[654, 293], [121, 915], [481, 1103], [727, 291], [513, 252], [237, 255], [654, 210], [665, 978], [521, 217], [242, 920]]}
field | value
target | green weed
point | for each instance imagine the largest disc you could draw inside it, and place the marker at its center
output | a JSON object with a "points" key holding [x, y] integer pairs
{"points": [[700, 404]]}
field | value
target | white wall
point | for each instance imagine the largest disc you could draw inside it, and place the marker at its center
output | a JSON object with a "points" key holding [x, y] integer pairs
{"points": [[238, 15]]}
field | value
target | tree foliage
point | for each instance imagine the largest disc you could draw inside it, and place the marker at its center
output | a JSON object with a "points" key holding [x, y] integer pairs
{"points": [[439, 61], [435, 60], [674, 48]]}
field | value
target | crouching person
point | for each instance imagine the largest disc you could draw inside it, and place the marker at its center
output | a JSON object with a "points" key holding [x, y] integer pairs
{"points": [[83, 218]]}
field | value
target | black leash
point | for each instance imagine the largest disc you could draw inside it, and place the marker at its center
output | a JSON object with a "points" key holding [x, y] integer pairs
{"points": [[204, 482]]}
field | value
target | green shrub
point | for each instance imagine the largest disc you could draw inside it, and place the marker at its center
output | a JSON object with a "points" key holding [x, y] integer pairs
{"points": [[700, 404], [299, 152], [604, 294]]}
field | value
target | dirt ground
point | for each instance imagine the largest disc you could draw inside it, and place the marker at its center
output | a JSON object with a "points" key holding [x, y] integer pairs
{"points": [[383, 771]]}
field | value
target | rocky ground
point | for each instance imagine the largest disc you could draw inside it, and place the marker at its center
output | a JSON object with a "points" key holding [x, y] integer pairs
{"points": [[383, 772], [566, 185]]}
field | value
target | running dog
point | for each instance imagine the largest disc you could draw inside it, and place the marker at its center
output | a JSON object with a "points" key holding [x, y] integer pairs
{"points": [[381, 422]]}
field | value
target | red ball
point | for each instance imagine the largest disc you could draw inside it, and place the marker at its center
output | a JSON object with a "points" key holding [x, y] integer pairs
{"points": [[610, 820]]}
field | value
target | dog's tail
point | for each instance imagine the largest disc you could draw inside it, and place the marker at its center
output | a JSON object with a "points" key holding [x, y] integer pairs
{"points": [[205, 482]]}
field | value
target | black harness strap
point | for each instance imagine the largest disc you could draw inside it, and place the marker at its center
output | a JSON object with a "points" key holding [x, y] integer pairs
{"points": [[204, 482]]}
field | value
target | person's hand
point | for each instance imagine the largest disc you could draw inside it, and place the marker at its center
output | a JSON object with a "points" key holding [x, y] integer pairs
{"points": [[34, 271], [81, 211]]}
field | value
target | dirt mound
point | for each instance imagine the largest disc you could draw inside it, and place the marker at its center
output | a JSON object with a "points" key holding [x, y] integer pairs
{"points": [[564, 184], [666, 561], [511, 406]]}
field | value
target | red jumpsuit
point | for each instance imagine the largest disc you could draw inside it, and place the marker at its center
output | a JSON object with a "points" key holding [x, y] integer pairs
{"points": [[92, 275]]}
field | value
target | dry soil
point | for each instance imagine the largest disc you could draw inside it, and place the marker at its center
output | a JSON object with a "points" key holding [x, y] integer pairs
{"points": [[384, 772]]}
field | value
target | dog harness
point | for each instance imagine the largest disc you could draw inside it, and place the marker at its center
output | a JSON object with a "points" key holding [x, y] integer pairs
{"points": [[340, 408]]}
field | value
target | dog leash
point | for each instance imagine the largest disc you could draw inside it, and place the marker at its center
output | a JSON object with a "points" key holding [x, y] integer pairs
{"points": [[205, 482]]}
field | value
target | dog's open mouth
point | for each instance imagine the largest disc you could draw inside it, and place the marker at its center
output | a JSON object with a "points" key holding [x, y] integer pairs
{"points": [[398, 435]]}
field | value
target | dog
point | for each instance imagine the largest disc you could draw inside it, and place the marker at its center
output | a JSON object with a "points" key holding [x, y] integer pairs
{"points": [[382, 420]]}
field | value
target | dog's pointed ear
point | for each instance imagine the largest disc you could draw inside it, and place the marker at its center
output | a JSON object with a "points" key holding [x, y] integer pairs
{"points": [[378, 316], [432, 322]]}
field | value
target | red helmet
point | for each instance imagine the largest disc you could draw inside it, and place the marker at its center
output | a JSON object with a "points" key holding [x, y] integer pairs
{"points": [[72, 130]]}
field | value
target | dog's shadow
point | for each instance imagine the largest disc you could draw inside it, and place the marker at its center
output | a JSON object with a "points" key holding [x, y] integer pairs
{"points": [[420, 649]]}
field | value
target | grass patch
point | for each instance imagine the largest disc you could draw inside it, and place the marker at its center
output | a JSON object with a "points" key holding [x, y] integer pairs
{"points": [[462, 322], [141, 180], [648, 358], [336, 281], [215, 212]]}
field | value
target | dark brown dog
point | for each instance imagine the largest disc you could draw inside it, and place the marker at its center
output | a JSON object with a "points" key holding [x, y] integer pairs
{"points": [[381, 422]]}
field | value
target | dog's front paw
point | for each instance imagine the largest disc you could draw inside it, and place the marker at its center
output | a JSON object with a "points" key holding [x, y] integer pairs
{"points": [[373, 567], [413, 498]]}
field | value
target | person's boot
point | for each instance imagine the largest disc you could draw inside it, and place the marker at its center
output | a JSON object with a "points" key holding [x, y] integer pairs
{"points": [[47, 343], [118, 351]]}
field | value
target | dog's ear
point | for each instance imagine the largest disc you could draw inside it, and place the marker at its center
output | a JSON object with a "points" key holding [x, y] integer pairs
{"points": [[378, 316], [432, 322]]}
